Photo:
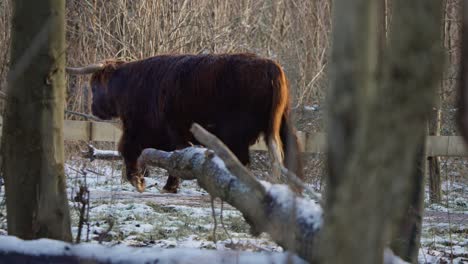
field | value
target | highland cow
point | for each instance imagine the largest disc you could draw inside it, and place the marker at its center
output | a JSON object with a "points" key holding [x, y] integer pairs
{"points": [[237, 97]]}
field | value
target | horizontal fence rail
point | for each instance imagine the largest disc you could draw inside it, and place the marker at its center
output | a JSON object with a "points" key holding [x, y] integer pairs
{"points": [[314, 142]]}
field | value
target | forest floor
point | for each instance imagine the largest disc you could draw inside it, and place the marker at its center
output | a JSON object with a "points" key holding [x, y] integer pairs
{"points": [[117, 214]]}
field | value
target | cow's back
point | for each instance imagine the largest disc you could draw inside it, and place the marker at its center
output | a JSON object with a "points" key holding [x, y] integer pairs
{"points": [[171, 92]]}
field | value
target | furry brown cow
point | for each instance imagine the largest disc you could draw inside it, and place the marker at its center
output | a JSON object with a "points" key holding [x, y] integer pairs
{"points": [[235, 96]]}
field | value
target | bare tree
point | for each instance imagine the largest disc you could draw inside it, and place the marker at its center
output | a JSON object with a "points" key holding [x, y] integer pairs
{"points": [[32, 136], [435, 124]]}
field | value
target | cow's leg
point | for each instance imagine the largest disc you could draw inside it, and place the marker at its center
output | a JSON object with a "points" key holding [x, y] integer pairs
{"points": [[172, 184], [130, 153], [241, 150], [175, 139]]}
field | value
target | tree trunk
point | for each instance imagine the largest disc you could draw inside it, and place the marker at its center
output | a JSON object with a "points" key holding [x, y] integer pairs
{"points": [[435, 191], [462, 114], [406, 239], [355, 52], [434, 126], [32, 137], [376, 127], [382, 26]]}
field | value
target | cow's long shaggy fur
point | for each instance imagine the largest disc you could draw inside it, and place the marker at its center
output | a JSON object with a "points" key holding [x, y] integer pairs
{"points": [[235, 96]]}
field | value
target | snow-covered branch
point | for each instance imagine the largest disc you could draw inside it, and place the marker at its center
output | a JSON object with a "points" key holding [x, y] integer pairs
{"points": [[267, 208], [93, 153], [293, 222]]}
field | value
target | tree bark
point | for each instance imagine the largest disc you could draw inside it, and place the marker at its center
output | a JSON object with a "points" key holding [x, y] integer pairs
{"points": [[32, 138], [406, 238], [435, 182], [462, 115], [434, 126], [353, 79], [376, 126]]}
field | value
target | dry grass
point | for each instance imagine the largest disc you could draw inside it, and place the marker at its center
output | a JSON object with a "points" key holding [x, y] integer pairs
{"points": [[294, 32]]}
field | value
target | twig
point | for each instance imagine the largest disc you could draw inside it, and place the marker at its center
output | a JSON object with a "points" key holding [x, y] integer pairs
{"points": [[95, 172], [105, 234], [90, 117], [75, 170], [82, 197], [213, 214], [222, 223]]}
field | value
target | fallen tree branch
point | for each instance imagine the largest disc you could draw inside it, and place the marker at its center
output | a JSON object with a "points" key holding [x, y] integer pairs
{"points": [[230, 160], [267, 208], [93, 153], [292, 222], [236, 168]]}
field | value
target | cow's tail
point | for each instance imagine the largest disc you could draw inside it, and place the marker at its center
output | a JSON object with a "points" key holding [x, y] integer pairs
{"points": [[291, 147], [281, 138]]}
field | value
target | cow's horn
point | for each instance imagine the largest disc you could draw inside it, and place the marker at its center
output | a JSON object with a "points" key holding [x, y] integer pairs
{"points": [[87, 69]]}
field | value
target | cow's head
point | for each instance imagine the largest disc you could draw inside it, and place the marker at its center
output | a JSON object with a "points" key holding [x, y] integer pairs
{"points": [[103, 104]]}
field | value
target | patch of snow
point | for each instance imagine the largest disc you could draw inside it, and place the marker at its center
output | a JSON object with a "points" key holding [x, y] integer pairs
{"points": [[391, 258], [125, 254], [166, 225], [461, 201], [307, 210], [219, 162], [194, 151], [313, 107], [265, 184], [99, 152]]}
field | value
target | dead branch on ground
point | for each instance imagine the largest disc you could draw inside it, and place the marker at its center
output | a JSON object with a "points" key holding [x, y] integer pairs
{"points": [[93, 153], [267, 208]]}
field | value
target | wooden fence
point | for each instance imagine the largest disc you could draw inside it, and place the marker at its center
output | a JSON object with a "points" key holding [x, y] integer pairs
{"points": [[312, 142]]}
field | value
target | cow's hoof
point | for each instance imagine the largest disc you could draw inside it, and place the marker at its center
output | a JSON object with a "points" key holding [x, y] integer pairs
{"points": [[138, 183]]}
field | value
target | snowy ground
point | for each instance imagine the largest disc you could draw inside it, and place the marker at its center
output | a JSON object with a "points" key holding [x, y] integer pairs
{"points": [[119, 215], [445, 226]]}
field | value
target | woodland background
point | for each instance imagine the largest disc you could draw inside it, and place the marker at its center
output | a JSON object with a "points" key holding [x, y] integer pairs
{"points": [[296, 33]]}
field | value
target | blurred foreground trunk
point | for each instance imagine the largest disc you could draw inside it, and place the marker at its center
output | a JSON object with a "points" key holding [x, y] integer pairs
{"points": [[376, 126], [462, 116], [32, 140]]}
